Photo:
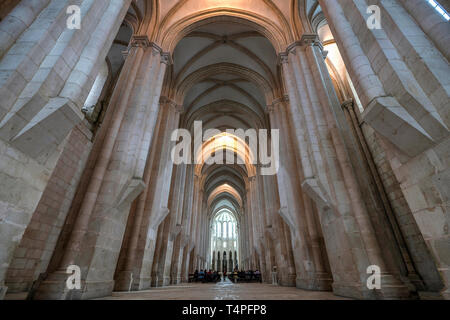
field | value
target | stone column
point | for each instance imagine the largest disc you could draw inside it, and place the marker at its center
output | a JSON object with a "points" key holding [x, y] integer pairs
{"points": [[187, 224], [271, 204], [48, 108], [429, 21], [254, 212], [336, 187], [401, 77], [284, 262], [35, 66], [152, 206], [250, 229], [170, 227], [176, 207], [178, 263], [117, 180], [309, 264], [392, 75], [18, 20]]}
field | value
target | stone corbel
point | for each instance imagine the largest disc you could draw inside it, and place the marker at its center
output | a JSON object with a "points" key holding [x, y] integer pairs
{"points": [[270, 232], [392, 121], [284, 213], [93, 112], [171, 103], [47, 129], [270, 109], [140, 41], [316, 192], [166, 58], [175, 232], [185, 241], [280, 100], [159, 217], [130, 192], [283, 58]]}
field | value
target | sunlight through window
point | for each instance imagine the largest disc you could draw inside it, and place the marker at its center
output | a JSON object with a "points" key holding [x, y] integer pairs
{"points": [[439, 9]]}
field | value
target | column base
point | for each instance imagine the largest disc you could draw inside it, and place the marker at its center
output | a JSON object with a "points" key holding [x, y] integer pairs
{"points": [[162, 281], [319, 282], [446, 294], [154, 281], [3, 290], [140, 284], [428, 295], [166, 281], [124, 281], [55, 288], [289, 281], [391, 289]]}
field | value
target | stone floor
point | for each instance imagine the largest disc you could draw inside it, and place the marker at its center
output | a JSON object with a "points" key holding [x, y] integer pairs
{"points": [[220, 291], [224, 291]]}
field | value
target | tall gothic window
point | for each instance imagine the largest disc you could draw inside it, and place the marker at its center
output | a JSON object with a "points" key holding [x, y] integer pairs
{"points": [[224, 232]]}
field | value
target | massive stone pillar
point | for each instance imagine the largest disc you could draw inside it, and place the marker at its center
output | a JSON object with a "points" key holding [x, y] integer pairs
{"points": [[118, 178], [171, 264], [329, 180], [254, 213], [426, 17], [152, 206], [400, 73], [41, 57], [162, 262], [185, 249], [271, 205], [177, 261], [310, 267], [58, 78], [250, 232]]}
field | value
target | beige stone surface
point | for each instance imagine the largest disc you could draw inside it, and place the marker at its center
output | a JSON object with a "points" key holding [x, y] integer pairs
{"points": [[363, 122], [224, 291]]}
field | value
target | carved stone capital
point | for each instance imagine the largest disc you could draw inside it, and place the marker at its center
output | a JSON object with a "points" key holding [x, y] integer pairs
{"points": [[311, 39], [276, 103], [140, 41], [166, 58], [145, 43], [348, 104], [282, 99], [283, 58], [308, 39], [171, 103]]}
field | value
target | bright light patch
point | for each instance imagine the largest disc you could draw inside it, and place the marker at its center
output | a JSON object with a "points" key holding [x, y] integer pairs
{"points": [[439, 9]]}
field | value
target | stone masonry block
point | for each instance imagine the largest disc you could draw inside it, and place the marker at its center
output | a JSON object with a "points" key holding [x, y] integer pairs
{"points": [[394, 123], [48, 128]]}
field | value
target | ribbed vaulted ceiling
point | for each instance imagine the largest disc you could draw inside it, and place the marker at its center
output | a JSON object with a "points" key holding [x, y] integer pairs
{"points": [[232, 56]]}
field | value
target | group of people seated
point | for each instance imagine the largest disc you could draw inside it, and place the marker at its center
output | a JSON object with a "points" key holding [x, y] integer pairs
{"points": [[245, 276], [205, 276], [236, 276]]}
